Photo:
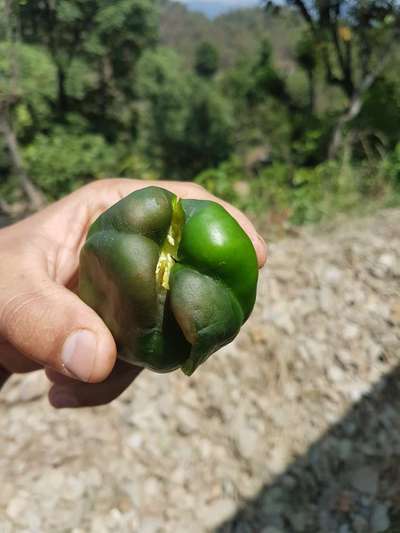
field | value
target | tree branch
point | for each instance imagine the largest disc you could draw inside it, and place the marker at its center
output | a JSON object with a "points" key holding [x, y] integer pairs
{"points": [[358, 98], [346, 73], [319, 41], [305, 13], [33, 194]]}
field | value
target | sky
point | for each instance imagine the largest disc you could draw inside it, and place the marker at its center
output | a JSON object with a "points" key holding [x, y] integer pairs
{"points": [[223, 2], [215, 7]]}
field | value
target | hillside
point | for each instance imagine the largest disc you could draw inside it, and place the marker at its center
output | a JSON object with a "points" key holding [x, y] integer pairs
{"points": [[236, 34]]}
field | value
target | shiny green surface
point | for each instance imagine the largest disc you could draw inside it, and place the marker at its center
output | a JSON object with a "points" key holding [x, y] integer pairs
{"points": [[173, 280]]}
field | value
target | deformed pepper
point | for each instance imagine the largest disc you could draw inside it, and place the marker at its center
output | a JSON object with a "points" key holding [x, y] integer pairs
{"points": [[174, 280]]}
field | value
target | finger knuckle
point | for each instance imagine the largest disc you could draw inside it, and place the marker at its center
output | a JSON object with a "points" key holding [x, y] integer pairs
{"points": [[197, 187]]}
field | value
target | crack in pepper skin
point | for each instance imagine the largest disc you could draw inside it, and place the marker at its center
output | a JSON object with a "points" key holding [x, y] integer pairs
{"points": [[174, 280]]}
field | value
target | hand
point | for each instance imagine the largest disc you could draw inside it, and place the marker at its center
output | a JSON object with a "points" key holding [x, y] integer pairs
{"points": [[43, 323]]}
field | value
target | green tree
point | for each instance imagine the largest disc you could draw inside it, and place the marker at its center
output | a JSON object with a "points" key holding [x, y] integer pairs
{"points": [[64, 160], [187, 125], [67, 71], [206, 60], [97, 37], [26, 78], [306, 57], [28, 81], [208, 134], [265, 81], [164, 88], [355, 41]]}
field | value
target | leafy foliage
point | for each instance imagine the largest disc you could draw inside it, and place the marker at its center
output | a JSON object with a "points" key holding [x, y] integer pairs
{"points": [[32, 78], [207, 60], [249, 104], [187, 122], [62, 161]]}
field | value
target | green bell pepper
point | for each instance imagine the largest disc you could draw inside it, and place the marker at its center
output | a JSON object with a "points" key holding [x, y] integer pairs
{"points": [[174, 280]]}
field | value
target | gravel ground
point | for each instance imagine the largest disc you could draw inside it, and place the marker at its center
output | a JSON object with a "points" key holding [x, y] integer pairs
{"points": [[295, 427]]}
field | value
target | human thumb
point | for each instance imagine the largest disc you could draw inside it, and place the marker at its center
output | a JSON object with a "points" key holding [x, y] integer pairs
{"points": [[51, 325]]}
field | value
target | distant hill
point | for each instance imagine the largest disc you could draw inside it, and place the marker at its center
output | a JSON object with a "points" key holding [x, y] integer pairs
{"points": [[236, 34]]}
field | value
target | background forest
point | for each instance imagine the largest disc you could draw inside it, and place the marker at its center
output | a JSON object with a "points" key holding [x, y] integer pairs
{"points": [[291, 109]]}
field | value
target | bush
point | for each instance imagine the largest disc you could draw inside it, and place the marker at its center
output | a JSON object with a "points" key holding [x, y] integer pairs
{"points": [[307, 195], [63, 161], [222, 179], [392, 167]]}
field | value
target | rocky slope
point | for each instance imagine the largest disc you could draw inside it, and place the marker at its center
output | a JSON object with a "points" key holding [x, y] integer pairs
{"points": [[295, 427]]}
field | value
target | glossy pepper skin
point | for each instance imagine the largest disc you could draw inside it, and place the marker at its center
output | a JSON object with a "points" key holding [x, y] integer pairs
{"points": [[174, 280]]}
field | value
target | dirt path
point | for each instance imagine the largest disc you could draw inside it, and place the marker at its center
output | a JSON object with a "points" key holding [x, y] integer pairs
{"points": [[293, 428]]}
